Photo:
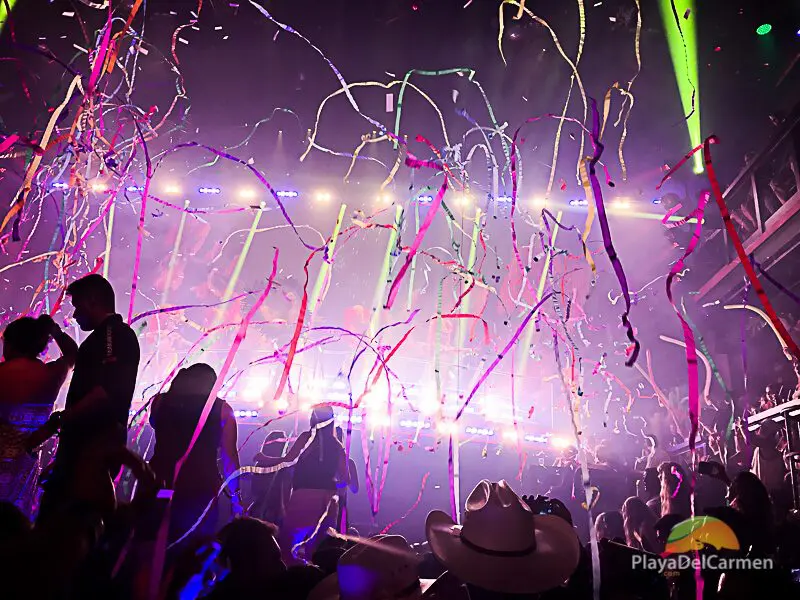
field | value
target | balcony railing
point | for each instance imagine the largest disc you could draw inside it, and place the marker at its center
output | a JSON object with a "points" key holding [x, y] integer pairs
{"points": [[765, 208]]}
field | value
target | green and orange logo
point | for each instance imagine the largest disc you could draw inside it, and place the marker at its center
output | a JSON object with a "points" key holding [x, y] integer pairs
{"points": [[698, 533]]}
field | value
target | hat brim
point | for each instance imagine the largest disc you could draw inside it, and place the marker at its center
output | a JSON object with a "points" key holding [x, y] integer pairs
{"points": [[555, 559]]}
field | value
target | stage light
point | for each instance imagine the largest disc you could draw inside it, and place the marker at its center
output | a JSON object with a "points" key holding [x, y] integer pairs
{"points": [[480, 431], [538, 201], [463, 199], [428, 405], [425, 199], [537, 439], [578, 202], [510, 435], [764, 29], [209, 190], [172, 189], [99, 186], [254, 389], [282, 404], [356, 419], [447, 427], [134, 188], [621, 204], [60, 185], [682, 41], [559, 442], [339, 384], [286, 194], [379, 419], [656, 200], [384, 199], [408, 424], [322, 196], [247, 193], [505, 199]]}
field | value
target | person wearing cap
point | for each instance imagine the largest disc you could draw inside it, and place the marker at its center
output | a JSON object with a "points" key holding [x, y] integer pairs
{"points": [[502, 547], [320, 465]]}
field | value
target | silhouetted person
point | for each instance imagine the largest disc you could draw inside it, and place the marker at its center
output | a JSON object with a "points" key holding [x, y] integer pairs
{"points": [[174, 417], [29, 388], [101, 390], [314, 505], [271, 491]]}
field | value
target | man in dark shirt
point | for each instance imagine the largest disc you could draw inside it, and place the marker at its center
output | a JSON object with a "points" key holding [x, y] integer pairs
{"points": [[102, 387]]}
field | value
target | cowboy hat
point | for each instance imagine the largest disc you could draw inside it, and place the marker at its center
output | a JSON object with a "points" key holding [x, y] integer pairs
{"points": [[502, 546], [378, 567]]}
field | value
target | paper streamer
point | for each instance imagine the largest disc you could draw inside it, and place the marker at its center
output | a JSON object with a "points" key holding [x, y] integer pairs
{"points": [[777, 325], [500, 356], [688, 334], [606, 232], [159, 554]]}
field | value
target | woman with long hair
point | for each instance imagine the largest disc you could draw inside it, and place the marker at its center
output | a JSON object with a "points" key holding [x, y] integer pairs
{"points": [[320, 465], [174, 417], [29, 388], [639, 523], [675, 492]]}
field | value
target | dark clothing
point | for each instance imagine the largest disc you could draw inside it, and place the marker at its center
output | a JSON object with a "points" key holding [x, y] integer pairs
{"points": [[268, 491], [317, 467], [108, 358], [174, 421]]}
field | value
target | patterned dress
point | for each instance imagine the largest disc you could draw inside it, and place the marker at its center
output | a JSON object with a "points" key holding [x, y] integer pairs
{"points": [[19, 470], [28, 390]]}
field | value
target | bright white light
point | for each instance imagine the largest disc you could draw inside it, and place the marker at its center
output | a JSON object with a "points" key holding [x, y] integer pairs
{"points": [[428, 405], [407, 424], [322, 196], [247, 193], [254, 389], [447, 427], [621, 204], [99, 186], [481, 431], [559, 442], [538, 201], [286, 194], [505, 199], [578, 202], [172, 189], [282, 404], [385, 199], [510, 435], [379, 419], [339, 384], [463, 199], [425, 199], [134, 188], [209, 190], [60, 185]]}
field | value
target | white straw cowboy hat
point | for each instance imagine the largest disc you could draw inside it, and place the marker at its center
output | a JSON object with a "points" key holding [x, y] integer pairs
{"points": [[383, 566], [502, 546]]}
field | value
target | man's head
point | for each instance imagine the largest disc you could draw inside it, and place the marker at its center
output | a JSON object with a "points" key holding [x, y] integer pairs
{"points": [[93, 299]]}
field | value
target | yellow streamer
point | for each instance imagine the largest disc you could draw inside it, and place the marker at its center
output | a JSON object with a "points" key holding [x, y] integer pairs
{"points": [[25, 188], [764, 316], [560, 49], [385, 86]]}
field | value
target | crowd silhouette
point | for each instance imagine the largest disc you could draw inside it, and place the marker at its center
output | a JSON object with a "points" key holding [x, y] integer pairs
{"points": [[65, 533]]}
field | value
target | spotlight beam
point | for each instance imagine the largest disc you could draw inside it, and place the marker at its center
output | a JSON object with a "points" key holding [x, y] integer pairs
{"points": [[682, 39]]}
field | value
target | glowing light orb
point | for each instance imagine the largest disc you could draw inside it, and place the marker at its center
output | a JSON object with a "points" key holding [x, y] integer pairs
{"points": [[764, 29]]}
